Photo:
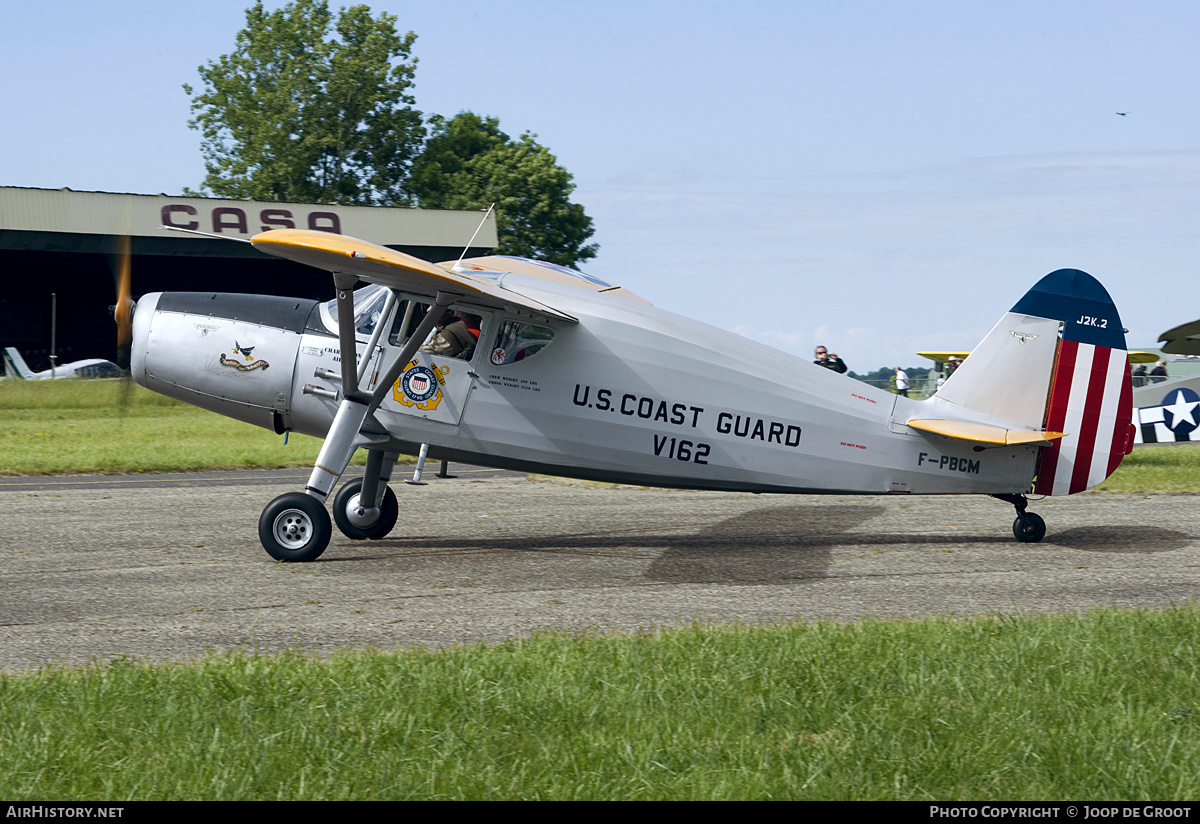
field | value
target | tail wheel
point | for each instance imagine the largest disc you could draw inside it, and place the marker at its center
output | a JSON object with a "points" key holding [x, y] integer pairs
{"points": [[1029, 528], [295, 527], [359, 524]]}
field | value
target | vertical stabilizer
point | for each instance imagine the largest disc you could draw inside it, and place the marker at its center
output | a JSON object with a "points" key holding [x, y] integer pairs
{"points": [[14, 365], [1056, 362], [1091, 395]]}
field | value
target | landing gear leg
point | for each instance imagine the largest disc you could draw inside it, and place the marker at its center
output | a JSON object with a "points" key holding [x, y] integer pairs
{"points": [[295, 526], [366, 508], [1028, 528]]}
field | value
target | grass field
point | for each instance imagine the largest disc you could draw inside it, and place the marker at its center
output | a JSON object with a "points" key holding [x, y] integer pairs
{"points": [[72, 426], [56, 427], [1103, 706]]}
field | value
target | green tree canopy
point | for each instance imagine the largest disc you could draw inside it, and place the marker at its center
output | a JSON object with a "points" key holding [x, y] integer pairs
{"points": [[294, 113], [468, 163]]}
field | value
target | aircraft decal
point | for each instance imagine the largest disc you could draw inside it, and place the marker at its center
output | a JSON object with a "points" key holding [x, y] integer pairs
{"points": [[510, 382], [681, 450], [420, 386], [244, 351], [744, 426], [1022, 336], [205, 328], [244, 367], [948, 463], [1176, 420], [642, 406]]}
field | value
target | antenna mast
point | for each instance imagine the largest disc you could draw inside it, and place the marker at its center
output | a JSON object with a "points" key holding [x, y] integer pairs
{"points": [[458, 263]]}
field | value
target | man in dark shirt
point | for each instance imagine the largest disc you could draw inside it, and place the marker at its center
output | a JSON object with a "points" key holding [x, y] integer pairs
{"points": [[829, 360]]}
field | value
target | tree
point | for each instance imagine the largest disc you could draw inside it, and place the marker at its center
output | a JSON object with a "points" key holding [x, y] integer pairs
{"points": [[296, 114], [468, 163]]}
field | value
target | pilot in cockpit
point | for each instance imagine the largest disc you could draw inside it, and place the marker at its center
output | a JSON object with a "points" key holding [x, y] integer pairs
{"points": [[456, 336]]}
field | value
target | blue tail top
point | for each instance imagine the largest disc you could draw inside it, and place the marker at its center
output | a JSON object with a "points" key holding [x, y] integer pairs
{"points": [[1083, 306]]}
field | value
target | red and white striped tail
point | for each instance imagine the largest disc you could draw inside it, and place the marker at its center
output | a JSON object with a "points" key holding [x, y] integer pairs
{"points": [[1091, 399]]}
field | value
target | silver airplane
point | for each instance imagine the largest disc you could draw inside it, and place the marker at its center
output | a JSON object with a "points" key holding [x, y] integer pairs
{"points": [[571, 375], [15, 367]]}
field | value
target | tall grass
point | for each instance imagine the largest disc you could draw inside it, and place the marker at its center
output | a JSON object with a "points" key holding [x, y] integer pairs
{"points": [[1100, 706]]}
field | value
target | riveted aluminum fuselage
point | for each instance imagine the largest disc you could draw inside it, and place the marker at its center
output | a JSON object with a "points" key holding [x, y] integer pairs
{"points": [[629, 394]]}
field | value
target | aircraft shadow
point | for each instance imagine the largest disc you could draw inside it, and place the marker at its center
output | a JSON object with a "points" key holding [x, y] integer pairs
{"points": [[769, 545], [1123, 539], [764, 546]]}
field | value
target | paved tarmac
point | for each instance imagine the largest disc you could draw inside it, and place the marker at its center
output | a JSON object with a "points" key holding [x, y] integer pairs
{"points": [[167, 567]]}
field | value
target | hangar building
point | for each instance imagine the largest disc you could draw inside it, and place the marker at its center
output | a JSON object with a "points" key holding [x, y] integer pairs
{"points": [[63, 243]]}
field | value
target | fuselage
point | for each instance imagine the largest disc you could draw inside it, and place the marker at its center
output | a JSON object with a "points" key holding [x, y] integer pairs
{"points": [[629, 394]]}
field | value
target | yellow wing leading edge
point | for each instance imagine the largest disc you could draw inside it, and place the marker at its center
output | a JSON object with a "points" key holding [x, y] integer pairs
{"points": [[378, 264]]}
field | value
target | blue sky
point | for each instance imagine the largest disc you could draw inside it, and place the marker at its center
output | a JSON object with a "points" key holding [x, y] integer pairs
{"points": [[878, 177]]}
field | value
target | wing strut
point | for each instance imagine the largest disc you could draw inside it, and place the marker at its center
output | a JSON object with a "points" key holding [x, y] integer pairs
{"points": [[345, 433]]}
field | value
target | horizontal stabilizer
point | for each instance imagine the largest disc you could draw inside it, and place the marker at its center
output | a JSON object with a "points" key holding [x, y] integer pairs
{"points": [[984, 433], [378, 264]]}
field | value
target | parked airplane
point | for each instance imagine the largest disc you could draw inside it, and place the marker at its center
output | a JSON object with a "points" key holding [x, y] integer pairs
{"points": [[1168, 410], [15, 367], [575, 376]]}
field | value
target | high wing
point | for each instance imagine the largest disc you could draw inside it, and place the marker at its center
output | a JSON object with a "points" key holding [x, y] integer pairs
{"points": [[1182, 340], [944, 357], [543, 270], [396, 270]]}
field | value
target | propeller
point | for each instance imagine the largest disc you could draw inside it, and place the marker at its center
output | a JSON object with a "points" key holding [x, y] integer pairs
{"points": [[122, 312]]}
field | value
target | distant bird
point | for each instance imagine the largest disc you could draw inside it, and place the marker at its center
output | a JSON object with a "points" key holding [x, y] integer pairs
{"points": [[1122, 113]]}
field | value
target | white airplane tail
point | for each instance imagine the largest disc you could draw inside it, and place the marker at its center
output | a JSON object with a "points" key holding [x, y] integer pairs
{"points": [[14, 365], [1055, 370]]}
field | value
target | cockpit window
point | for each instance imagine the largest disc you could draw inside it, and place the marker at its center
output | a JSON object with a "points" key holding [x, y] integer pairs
{"points": [[409, 314], [368, 306], [518, 341]]}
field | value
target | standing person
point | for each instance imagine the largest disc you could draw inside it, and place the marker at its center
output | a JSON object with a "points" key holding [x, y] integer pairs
{"points": [[1159, 373], [901, 382], [829, 360], [1139, 375]]}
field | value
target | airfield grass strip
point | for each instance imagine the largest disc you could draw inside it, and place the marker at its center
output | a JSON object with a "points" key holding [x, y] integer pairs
{"points": [[79, 426], [113, 427], [1163, 467], [1099, 706]]}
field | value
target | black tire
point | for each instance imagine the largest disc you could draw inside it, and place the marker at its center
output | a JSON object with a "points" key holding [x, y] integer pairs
{"points": [[1029, 528], [389, 510], [295, 527]]}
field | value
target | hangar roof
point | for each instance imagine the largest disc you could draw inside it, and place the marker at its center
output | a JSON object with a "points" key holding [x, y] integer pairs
{"points": [[66, 220]]}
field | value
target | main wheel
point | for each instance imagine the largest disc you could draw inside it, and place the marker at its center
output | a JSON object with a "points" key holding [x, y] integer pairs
{"points": [[1029, 528], [362, 524], [295, 527]]}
